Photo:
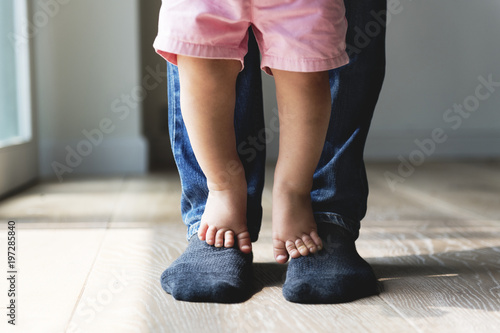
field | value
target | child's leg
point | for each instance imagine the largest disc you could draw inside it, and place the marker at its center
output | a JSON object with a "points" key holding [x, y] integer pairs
{"points": [[207, 89], [304, 103]]}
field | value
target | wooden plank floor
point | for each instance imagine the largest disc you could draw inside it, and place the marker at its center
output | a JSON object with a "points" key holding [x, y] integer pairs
{"points": [[90, 253]]}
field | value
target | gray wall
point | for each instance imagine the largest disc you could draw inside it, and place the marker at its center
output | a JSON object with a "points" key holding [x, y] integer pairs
{"points": [[90, 56], [436, 52], [88, 87]]}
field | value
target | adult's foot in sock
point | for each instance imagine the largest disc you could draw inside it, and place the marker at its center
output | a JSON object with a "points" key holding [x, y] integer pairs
{"points": [[204, 273], [336, 274]]}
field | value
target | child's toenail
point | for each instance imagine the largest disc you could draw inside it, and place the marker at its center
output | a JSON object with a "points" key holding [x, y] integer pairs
{"points": [[281, 257], [245, 247]]}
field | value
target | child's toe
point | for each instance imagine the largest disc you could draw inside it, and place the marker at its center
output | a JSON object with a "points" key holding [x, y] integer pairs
{"points": [[228, 238], [210, 236], [280, 252], [202, 231], [219, 238], [315, 237], [309, 243], [292, 249], [244, 242], [301, 247]]}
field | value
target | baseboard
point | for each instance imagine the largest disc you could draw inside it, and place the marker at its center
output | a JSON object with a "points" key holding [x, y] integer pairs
{"points": [[17, 167], [474, 144]]}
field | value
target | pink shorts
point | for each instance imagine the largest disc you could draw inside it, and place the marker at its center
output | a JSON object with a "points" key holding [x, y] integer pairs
{"points": [[293, 35]]}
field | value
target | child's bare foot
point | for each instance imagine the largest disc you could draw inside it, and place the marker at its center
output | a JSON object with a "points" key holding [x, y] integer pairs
{"points": [[224, 220], [294, 229]]}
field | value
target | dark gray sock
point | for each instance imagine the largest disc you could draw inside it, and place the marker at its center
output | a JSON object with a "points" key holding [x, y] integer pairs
{"points": [[336, 274], [204, 273]]}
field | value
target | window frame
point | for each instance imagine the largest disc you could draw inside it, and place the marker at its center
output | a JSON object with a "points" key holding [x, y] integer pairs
{"points": [[18, 155]]}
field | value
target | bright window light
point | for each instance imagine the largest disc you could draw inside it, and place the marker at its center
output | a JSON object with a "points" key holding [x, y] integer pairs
{"points": [[15, 97]]}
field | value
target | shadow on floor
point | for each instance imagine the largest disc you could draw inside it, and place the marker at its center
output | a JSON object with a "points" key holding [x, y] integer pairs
{"points": [[422, 285], [269, 274]]}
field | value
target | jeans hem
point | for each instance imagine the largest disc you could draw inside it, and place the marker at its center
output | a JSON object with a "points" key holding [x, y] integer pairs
{"points": [[350, 225], [193, 229]]}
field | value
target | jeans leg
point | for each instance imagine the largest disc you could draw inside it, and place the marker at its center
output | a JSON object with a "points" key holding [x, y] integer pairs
{"points": [[340, 189], [249, 124]]}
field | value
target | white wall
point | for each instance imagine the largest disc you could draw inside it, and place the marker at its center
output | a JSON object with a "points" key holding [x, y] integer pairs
{"points": [[436, 51], [87, 58], [87, 70]]}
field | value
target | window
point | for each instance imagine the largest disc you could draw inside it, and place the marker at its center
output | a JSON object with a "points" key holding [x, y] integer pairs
{"points": [[18, 147], [15, 101]]}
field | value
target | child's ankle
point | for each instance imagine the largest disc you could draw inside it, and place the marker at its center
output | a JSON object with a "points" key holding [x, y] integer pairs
{"points": [[294, 188], [232, 184], [230, 179]]}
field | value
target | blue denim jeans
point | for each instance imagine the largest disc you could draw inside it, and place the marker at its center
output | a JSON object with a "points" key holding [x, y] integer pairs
{"points": [[340, 188]]}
